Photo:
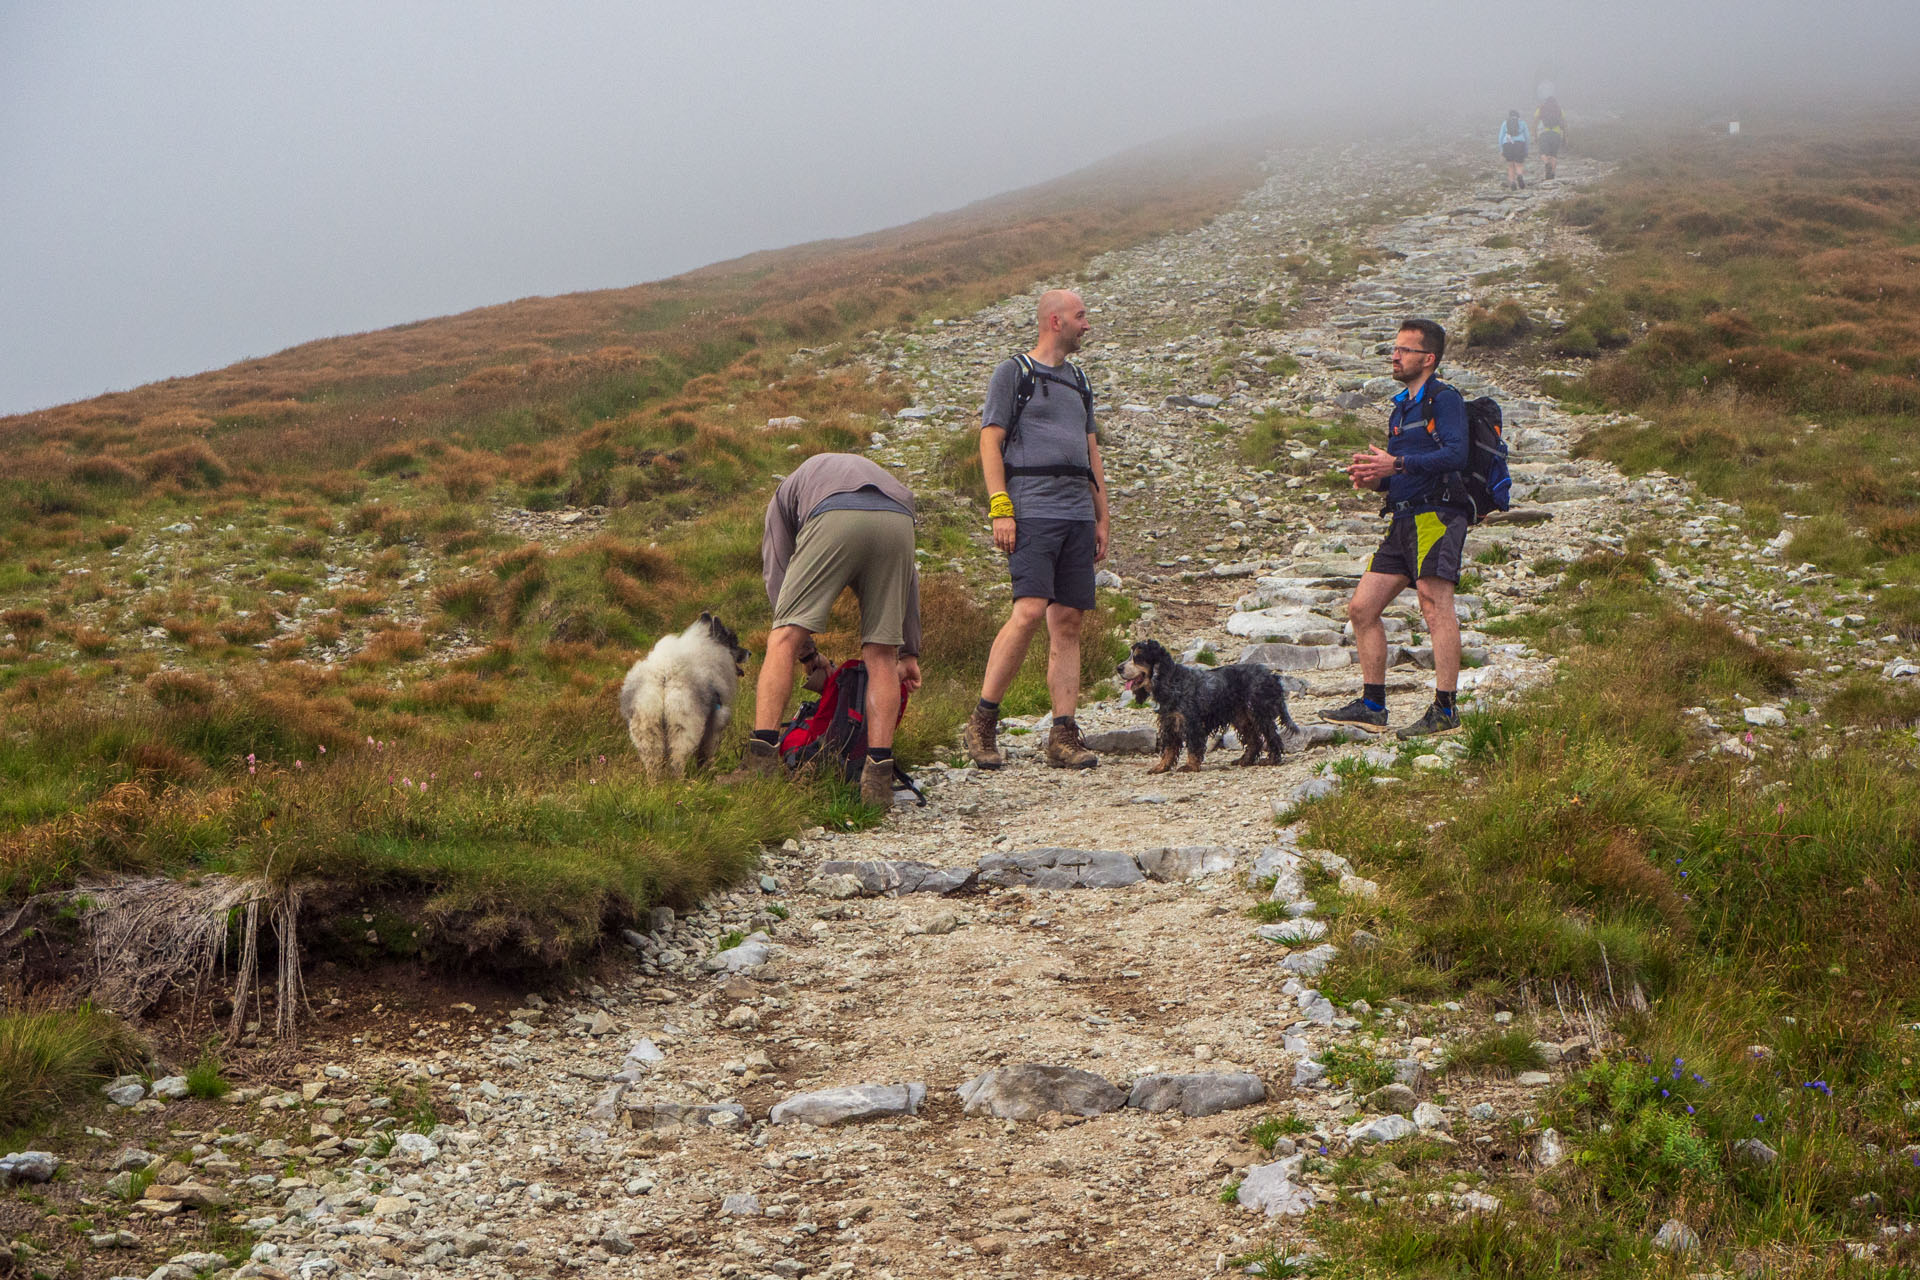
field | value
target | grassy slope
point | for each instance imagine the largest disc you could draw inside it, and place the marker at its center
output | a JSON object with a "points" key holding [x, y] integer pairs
{"points": [[1768, 910], [277, 619]]}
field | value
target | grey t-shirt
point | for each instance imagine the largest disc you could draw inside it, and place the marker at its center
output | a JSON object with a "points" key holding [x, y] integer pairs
{"points": [[1053, 430]]}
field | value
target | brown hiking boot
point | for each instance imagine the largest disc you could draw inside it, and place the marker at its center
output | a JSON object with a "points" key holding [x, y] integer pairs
{"points": [[761, 761], [1064, 748], [876, 783], [977, 737]]}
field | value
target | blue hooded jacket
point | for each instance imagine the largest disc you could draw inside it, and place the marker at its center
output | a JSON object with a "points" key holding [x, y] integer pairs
{"points": [[1428, 454]]}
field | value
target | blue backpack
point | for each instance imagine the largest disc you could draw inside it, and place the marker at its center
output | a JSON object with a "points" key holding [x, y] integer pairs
{"points": [[1485, 486]]}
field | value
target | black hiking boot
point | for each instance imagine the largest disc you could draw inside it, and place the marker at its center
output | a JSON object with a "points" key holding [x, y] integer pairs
{"points": [[1432, 724], [1358, 714]]}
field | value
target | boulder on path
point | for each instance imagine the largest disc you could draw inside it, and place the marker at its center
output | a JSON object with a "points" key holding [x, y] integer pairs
{"points": [[28, 1166], [1056, 868], [1383, 1129], [750, 953], [886, 879], [1290, 657], [825, 1107], [1186, 862], [1132, 740], [1312, 961], [1200, 1094], [1032, 1089], [1270, 1189]]}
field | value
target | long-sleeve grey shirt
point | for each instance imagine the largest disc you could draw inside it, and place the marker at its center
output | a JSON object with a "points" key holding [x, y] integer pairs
{"points": [[813, 482]]}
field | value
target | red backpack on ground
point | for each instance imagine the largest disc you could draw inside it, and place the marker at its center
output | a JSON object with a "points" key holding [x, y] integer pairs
{"points": [[833, 729]]}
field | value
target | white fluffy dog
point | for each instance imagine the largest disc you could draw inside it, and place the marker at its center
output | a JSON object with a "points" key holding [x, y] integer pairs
{"points": [[678, 698]]}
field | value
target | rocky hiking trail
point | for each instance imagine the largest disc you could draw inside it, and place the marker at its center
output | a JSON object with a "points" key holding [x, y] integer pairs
{"points": [[1024, 1030]]}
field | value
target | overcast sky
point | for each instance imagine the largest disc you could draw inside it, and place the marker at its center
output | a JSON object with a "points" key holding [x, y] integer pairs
{"points": [[183, 185]]}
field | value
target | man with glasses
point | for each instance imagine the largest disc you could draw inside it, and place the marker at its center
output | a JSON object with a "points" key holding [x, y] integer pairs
{"points": [[1426, 440]]}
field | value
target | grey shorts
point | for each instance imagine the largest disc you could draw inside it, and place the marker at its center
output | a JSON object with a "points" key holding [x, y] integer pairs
{"points": [[1425, 545], [1053, 560], [870, 551], [1550, 142]]}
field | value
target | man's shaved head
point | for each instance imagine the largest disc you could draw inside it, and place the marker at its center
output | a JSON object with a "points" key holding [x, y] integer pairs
{"points": [[1063, 323], [1058, 302]]}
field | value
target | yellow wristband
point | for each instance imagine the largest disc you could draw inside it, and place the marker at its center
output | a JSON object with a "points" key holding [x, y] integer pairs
{"points": [[1000, 507]]}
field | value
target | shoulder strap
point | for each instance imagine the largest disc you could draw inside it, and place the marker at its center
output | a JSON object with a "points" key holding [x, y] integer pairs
{"points": [[1022, 393], [1086, 389]]}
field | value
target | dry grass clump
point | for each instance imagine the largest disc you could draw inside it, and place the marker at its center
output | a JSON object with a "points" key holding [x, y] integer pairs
{"points": [[190, 466], [394, 644], [1500, 325], [49, 1059], [180, 688]]}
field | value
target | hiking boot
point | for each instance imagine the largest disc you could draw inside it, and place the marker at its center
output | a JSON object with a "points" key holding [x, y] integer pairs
{"points": [[761, 761], [977, 738], [876, 783], [1523, 184], [1432, 724], [1358, 714], [1064, 748]]}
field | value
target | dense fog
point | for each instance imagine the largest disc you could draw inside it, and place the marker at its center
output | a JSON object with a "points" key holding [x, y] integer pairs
{"points": [[191, 184]]}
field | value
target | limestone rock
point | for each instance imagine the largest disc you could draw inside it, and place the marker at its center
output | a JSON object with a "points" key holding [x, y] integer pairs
{"points": [[891, 879], [853, 1102], [1186, 862], [1676, 1236], [1429, 1118], [1031, 1089], [750, 953], [1133, 739], [1548, 1150], [414, 1148], [1201, 1094], [172, 1088], [1382, 1129], [1270, 1189], [1312, 961], [1058, 868], [28, 1166]]}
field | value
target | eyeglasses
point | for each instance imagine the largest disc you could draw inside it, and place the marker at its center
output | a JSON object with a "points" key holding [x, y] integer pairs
{"points": [[1411, 351]]}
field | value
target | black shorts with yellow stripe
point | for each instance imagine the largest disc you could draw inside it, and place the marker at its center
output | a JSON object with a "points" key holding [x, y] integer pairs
{"points": [[1423, 544]]}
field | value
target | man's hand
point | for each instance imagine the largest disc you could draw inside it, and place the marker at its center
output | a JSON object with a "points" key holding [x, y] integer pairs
{"points": [[1003, 530], [1100, 539], [910, 674], [1371, 469]]}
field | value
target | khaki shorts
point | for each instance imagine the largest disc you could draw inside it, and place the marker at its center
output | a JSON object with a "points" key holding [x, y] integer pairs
{"points": [[870, 551]]}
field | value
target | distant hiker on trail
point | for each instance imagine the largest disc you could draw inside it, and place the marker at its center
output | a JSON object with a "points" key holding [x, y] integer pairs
{"points": [[1550, 127], [1426, 439], [1047, 498], [1513, 145], [839, 521]]}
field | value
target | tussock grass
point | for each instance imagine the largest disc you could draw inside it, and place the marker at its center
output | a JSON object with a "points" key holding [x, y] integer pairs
{"points": [[1603, 850], [1758, 310], [50, 1058]]}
